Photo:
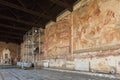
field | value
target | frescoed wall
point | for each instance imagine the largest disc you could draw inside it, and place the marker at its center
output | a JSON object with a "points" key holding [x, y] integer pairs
{"points": [[85, 38], [96, 24], [91, 32], [58, 38]]}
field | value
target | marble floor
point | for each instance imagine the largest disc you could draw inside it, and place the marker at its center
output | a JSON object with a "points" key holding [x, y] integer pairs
{"points": [[19, 74]]}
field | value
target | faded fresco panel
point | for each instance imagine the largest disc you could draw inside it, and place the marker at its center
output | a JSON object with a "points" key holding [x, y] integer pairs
{"points": [[58, 38], [50, 39], [96, 24]]}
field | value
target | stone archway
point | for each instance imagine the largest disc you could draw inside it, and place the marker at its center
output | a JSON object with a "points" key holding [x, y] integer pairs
{"points": [[6, 56]]}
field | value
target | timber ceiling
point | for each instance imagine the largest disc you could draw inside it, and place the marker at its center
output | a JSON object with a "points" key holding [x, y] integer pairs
{"points": [[19, 16]]}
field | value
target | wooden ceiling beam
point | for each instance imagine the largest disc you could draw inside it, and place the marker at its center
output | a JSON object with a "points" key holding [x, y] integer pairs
{"points": [[5, 3], [21, 3], [11, 37], [20, 21], [12, 27], [7, 40], [63, 4], [12, 33]]}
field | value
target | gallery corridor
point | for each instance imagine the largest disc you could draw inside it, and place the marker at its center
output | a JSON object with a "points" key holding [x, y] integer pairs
{"points": [[60, 39]]}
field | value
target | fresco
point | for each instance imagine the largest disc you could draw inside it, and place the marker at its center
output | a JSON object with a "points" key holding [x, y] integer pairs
{"points": [[58, 38], [96, 24]]}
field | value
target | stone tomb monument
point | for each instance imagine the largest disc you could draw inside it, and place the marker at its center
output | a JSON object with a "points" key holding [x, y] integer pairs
{"points": [[6, 58]]}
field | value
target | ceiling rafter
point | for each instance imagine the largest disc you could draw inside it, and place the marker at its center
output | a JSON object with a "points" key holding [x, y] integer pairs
{"points": [[7, 40], [63, 4], [12, 27], [21, 3], [9, 32], [13, 13], [19, 16], [5, 3], [12, 37], [20, 21]]}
